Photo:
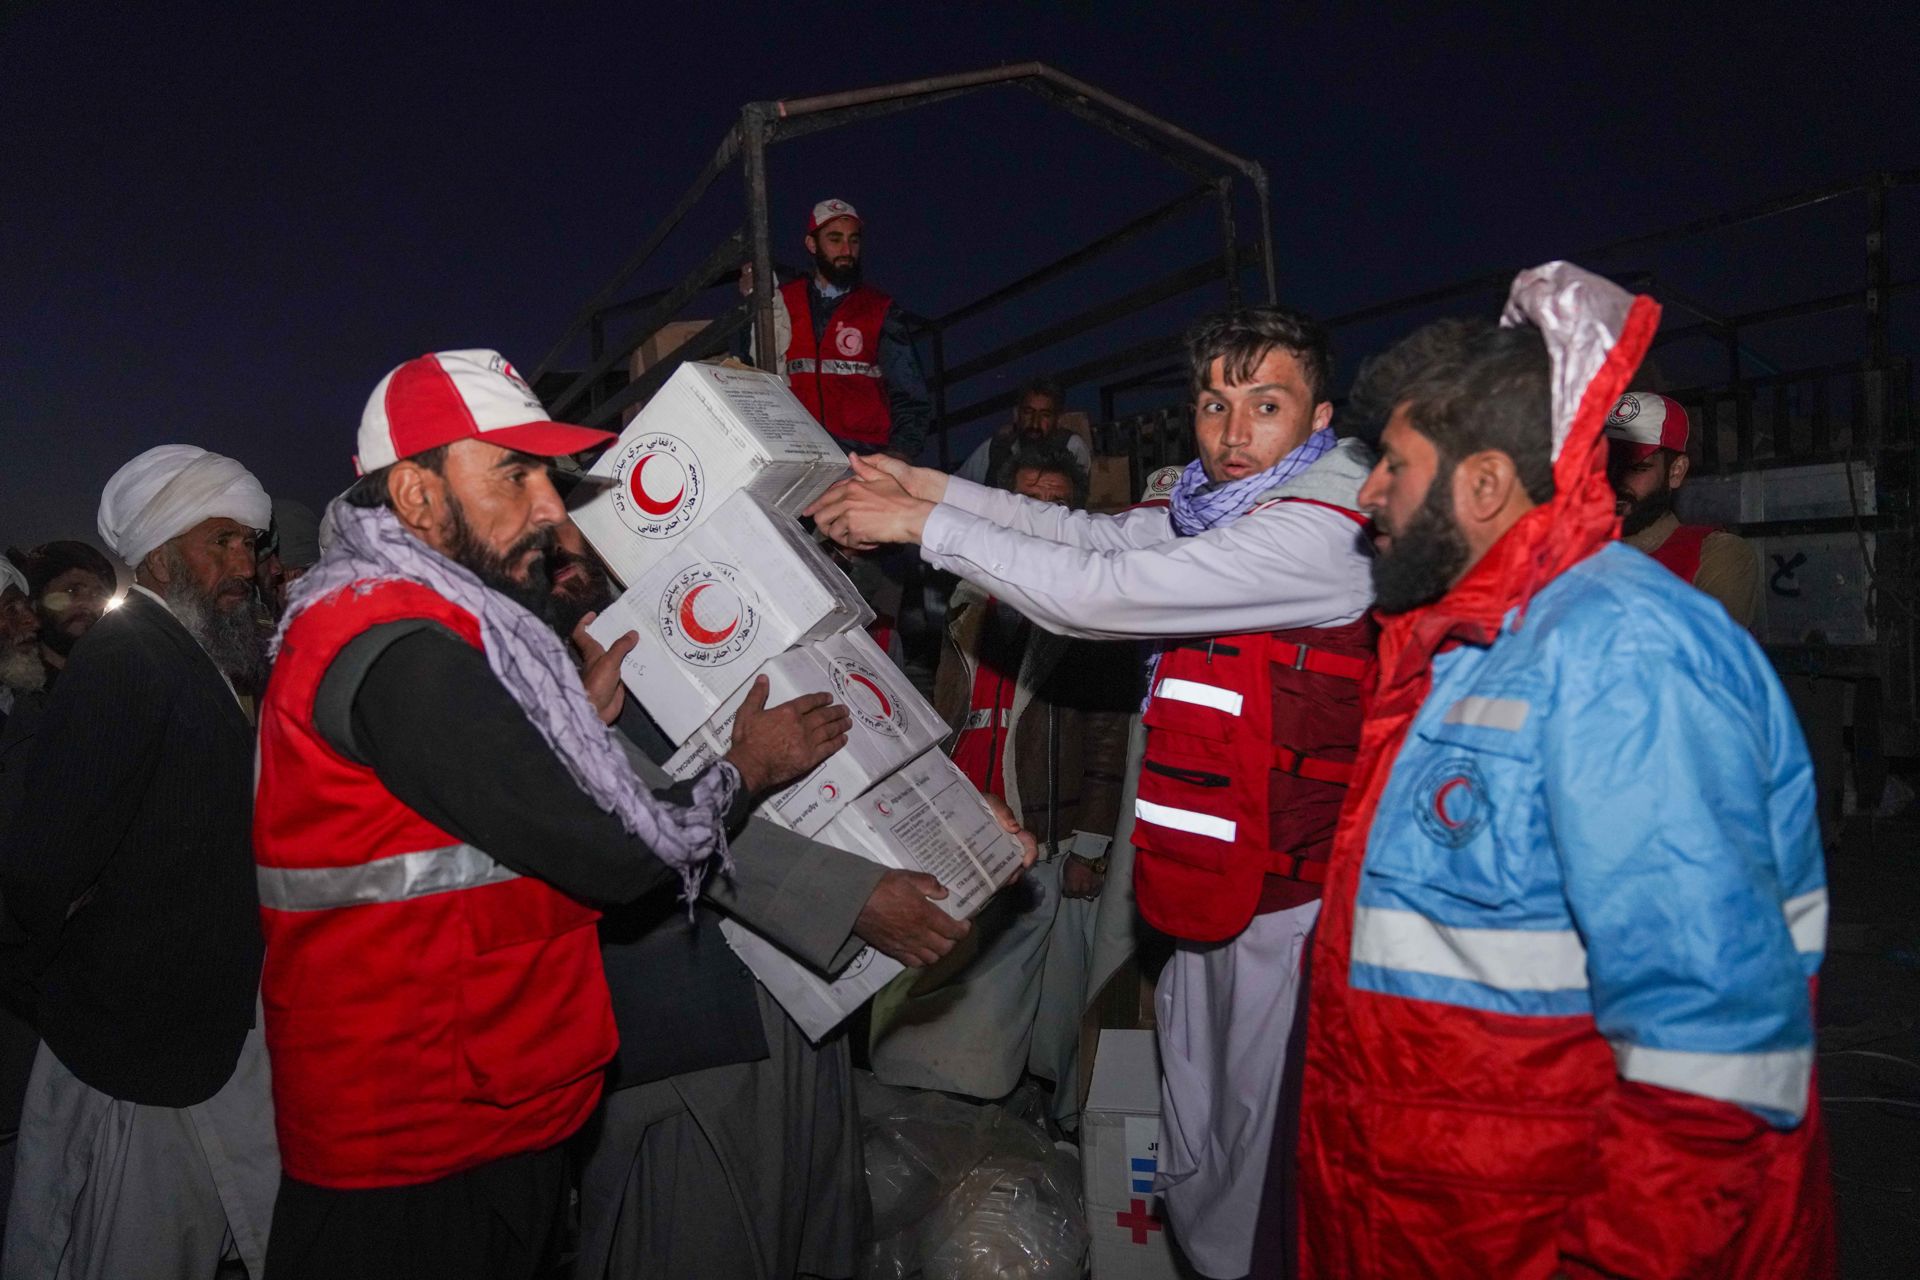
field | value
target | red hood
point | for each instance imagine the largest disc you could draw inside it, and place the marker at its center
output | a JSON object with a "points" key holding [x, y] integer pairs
{"points": [[1596, 334]]}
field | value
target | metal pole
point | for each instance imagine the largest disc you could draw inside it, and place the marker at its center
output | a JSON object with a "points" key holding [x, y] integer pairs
{"points": [[753, 135], [1259, 177], [1229, 240], [1877, 277]]}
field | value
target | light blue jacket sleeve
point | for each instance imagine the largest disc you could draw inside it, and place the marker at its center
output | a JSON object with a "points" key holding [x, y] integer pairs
{"points": [[1671, 795]]}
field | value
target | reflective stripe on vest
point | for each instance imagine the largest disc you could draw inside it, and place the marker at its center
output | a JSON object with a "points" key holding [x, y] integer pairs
{"points": [[1188, 820], [852, 368], [1201, 695], [392, 879]]}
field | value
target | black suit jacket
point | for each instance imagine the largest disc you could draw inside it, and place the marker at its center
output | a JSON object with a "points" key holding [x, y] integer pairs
{"points": [[129, 866]]}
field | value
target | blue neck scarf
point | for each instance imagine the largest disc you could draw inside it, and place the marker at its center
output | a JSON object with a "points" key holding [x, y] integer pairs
{"points": [[1197, 504]]}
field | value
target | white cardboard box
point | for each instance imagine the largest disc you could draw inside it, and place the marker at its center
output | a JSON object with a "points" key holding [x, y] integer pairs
{"points": [[892, 724], [710, 432], [927, 817], [746, 585], [1119, 1155]]}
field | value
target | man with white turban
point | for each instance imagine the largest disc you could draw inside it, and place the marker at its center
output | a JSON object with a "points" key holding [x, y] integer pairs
{"points": [[146, 1142]]}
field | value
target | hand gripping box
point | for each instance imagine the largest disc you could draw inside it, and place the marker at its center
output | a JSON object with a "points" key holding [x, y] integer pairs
{"points": [[743, 587], [927, 817], [892, 724], [1119, 1154], [711, 432]]}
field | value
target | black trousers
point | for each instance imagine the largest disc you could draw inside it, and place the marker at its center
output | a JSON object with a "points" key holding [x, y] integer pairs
{"points": [[501, 1221]]}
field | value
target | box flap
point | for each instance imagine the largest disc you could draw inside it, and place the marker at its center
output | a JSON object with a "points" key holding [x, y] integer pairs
{"points": [[1126, 1074]]}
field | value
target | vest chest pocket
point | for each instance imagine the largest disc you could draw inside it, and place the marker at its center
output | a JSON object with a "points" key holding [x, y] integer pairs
{"points": [[1464, 803]]}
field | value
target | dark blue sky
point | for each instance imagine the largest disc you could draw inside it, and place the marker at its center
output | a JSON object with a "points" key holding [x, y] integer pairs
{"points": [[222, 223]]}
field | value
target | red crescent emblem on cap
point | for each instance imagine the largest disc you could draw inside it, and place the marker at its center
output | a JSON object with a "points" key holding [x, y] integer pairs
{"points": [[1447, 788], [886, 703], [647, 504], [695, 632]]}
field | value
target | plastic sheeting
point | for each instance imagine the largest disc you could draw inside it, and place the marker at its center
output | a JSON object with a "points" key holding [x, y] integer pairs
{"points": [[966, 1192]]}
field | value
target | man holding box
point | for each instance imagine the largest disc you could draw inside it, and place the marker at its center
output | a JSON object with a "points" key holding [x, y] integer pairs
{"points": [[1255, 583], [437, 795]]}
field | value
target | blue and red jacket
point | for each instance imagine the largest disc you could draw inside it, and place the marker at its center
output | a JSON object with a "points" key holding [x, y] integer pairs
{"points": [[1561, 1013]]}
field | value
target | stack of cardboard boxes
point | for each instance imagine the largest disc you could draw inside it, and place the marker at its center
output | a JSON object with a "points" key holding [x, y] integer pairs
{"points": [[695, 513]]}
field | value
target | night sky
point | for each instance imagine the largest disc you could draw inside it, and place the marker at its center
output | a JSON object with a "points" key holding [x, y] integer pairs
{"points": [[223, 223]]}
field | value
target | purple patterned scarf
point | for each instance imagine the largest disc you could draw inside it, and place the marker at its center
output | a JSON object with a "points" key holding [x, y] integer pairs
{"points": [[1199, 505], [369, 547]]}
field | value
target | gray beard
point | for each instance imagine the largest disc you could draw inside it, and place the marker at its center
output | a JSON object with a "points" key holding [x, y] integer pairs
{"points": [[236, 638], [23, 671]]}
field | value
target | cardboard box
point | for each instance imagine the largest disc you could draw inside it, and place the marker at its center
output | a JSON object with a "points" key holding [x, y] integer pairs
{"points": [[927, 817], [709, 433], [1119, 1155], [743, 587], [892, 725]]}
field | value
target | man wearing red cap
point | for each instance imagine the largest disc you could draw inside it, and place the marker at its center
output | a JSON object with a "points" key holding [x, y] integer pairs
{"points": [[844, 346], [1646, 464], [438, 800]]}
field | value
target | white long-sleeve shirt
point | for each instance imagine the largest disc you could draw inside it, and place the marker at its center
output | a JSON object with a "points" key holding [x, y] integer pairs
{"points": [[1129, 576]]}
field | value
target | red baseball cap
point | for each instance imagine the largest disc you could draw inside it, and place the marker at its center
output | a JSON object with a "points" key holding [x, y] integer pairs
{"points": [[461, 395], [827, 210], [1644, 422]]}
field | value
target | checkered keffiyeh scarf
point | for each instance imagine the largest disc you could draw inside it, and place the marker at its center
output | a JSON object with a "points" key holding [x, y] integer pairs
{"points": [[370, 547], [1199, 505]]}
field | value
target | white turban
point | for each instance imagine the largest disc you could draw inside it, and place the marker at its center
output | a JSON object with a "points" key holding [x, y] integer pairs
{"points": [[171, 488], [10, 576]]}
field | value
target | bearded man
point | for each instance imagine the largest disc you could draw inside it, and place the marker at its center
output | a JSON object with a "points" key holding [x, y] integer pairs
{"points": [[1647, 462], [844, 346], [22, 670], [1561, 1019], [146, 1141], [440, 801]]}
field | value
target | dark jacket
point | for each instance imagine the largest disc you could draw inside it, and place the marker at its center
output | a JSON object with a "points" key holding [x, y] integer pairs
{"points": [[129, 866], [1068, 725]]}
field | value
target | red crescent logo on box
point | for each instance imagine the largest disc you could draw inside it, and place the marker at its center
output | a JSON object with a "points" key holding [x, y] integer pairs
{"points": [[849, 341], [828, 791], [705, 616], [865, 695], [658, 485]]}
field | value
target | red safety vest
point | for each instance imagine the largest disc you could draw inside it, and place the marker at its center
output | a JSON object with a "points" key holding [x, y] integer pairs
{"points": [[428, 1010], [1681, 551], [1250, 743], [839, 380]]}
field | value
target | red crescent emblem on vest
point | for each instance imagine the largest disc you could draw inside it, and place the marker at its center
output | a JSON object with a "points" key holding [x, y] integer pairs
{"points": [[886, 703], [1447, 788], [695, 632], [647, 504]]}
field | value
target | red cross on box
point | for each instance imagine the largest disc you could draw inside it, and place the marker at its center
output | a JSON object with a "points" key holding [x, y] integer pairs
{"points": [[1139, 1221]]}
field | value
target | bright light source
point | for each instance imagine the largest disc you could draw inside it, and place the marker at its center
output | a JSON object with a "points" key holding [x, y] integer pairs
{"points": [[114, 602]]}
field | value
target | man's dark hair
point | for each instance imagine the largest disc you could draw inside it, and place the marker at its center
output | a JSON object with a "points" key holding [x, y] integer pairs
{"points": [[1049, 455], [1047, 387], [1468, 385], [1242, 338], [370, 490], [42, 564]]}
